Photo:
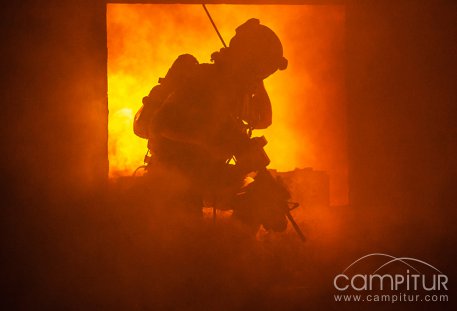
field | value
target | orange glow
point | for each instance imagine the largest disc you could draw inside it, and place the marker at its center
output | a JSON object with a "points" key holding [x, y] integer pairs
{"points": [[309, 125]]}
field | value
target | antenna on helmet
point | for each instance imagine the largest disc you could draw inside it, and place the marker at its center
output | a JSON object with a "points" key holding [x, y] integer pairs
{"points": [[214, 25]]}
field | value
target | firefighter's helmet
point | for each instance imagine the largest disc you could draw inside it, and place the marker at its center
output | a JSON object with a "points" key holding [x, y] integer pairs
{"points": [[258, 46]]}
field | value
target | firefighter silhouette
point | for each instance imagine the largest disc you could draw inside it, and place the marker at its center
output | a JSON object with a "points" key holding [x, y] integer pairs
{"points": [[201, 116]]}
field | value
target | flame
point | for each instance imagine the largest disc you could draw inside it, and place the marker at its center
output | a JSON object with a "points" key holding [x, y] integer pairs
{"points": [[309, 125]]}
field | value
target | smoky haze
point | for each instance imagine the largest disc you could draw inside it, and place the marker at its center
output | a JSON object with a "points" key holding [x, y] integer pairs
{"points": [[71, 240]]}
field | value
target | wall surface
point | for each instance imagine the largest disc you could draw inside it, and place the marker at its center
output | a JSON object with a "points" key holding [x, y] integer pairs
{"points": [[402, 98], [54, 108]]}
